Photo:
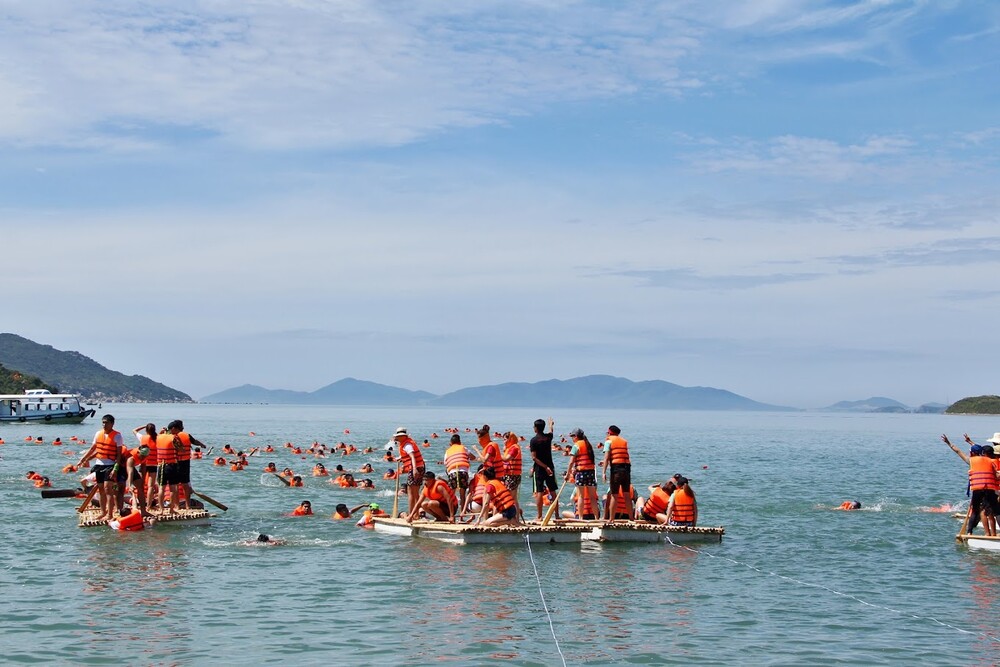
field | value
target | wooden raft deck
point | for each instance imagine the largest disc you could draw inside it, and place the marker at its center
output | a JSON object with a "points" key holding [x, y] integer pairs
{"points": [[979, 541], [471, 534], [182, 518]]}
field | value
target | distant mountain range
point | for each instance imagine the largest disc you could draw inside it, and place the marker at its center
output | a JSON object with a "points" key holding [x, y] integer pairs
{"points": [[73, 373], [882, 404], [592, 391]]}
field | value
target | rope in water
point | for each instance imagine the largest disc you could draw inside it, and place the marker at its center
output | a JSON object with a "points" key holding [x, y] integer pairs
{"points": [[538, 579], [836, 592]]}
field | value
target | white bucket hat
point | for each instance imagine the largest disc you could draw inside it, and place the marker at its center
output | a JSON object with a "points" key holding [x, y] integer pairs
{"points": [[402, 431], [995, 439]]}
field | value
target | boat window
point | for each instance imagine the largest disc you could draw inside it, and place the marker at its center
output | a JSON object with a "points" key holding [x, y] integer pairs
{"points": [[28, 407]]}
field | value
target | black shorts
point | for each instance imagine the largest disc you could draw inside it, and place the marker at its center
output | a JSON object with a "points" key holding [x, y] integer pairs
{"points": [[621, 476], [509, 513], [584, 478], [184, 472], [102, 473], [458, 479], [543, 479], [168, 474], [651, 519], [985, 500], [415, 477]]}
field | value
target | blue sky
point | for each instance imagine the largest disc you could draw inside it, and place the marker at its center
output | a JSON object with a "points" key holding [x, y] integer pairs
{"points": [[794, 200]]}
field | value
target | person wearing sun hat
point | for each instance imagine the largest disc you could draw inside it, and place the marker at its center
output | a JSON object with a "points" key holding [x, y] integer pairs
{"points": [[413, 464], [984, 482]]}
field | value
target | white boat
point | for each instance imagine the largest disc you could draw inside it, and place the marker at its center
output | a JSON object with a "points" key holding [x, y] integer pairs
{"points": [[642, 531], [462, 533], [40, 406]]}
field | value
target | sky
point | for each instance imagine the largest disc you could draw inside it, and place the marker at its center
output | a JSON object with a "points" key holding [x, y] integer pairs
{"points": [[794, 200]]}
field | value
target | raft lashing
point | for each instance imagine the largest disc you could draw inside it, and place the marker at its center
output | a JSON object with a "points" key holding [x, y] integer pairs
{"points": [[183, 517]]}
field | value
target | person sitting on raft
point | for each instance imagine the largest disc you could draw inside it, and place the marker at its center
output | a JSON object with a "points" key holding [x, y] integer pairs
{"points": [[497, 501], [654, 509], [683, 508], [304, 509], [437, 498]]}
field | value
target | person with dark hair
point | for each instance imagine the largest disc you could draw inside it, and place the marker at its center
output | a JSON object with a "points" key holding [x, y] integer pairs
{"points": [[456, 465], [581, 470], [683, 508], [437, 498], [543, 469], [106, 450], [176, 428], [618, 464], [497, 501]]}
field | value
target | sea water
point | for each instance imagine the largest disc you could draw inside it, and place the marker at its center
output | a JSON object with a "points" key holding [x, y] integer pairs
{"points": [[793, 581]]}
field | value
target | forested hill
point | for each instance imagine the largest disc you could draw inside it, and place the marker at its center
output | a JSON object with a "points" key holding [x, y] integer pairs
{"points": [[15, 382], [73, 373]]}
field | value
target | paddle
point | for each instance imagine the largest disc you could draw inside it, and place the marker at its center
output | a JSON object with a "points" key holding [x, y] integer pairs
{"points": [[86, 501], [395, 496], [965, 523], [286, 482], [555, 504], [59, 493], [211, 500]]}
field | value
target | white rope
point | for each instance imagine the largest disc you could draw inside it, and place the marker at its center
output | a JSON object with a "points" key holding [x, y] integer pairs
{"points": [[836, 592], [552, 628]]}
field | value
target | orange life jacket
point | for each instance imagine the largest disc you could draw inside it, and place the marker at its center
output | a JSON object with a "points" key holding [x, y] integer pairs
{"points": [[185, 452], [405, 456], [683, 506], [618, 446], [301, 511], [620, 498], [107, 449], [456, 458], [476, 487], [131, 523], [220, 461], [147, 440], [499, 495], [657, 503], [439, 491], [491, 456], [513, 451], [982, 473], [165, 452], [584, 459]]}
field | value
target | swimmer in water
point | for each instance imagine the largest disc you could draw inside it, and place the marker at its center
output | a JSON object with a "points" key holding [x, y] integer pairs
{"points": [[850, 505]]}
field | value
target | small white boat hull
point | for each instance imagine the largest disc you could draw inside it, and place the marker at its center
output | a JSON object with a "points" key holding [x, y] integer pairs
{"points": [[470, 534], [980, 542]]}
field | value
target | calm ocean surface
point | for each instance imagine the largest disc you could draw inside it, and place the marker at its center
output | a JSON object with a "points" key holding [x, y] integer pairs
{"points": [[792, 582]]}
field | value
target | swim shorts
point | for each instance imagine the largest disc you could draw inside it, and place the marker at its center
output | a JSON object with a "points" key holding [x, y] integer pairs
{"points": [[543, 479], [415, 477], [584, 478], [509, 513], [168, 474], [458, 479], [102, 473], [184, 472], [512, 482], [621, 476]]}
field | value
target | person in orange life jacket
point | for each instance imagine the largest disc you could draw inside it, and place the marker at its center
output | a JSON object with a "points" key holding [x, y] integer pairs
{"points": [[618, 464], [146, 435], [620, 504], [366, 468], [456, 465], [683, 508], [582, 469], [543, 469], [511, 458], [474, 500], [654, 508], [372, 511], [42, 483], [489, 451], [304, 509], [366, 484], [497, 501], [105, 450], [270, 467], [412, 464], [437, 498], [580, 502], [129, 521], [319, 470], [134, 478], [342, 512], [984, 482], [176, 428], [295, 481]]}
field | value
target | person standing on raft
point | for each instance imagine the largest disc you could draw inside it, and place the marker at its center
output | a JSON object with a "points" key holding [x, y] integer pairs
{"points": [[619, 465], [543, 469], [413, 464], [176, 427], [106, 449]]}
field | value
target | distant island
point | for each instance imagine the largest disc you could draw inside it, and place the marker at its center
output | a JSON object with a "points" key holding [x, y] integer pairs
{"points": [[975, 405], [43, 366], [592, 391], [884, 405]]}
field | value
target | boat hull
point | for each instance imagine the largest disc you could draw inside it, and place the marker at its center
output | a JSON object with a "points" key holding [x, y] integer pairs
{"points": [[63, 418], [469, 534], [980, 542]]}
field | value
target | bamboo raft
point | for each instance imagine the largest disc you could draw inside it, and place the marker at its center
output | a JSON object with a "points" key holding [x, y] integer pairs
{"points": [[471, 534], [979, 541], [642, 531], [192, 517]]}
